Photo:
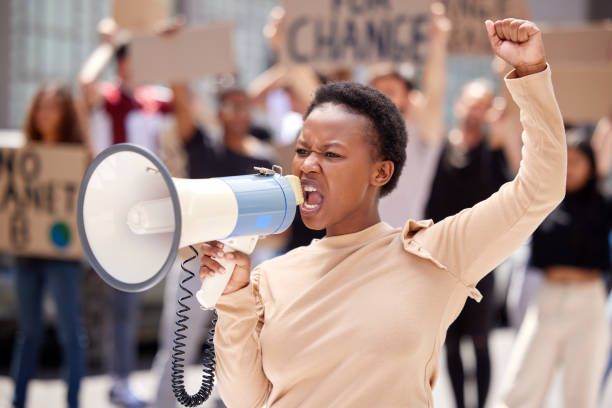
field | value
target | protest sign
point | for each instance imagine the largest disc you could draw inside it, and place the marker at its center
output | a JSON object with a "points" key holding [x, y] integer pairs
{"points": [[469, 35], [39, 186], [581, 62], [584, 43], [342, 33], [140, 15], [190, 53]]}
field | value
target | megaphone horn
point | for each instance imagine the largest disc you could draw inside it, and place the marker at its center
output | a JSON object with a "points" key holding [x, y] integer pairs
{"points": [[133, 216]]}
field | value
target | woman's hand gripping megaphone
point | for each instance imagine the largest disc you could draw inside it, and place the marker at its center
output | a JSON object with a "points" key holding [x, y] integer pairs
{"points": [[209, 267]]}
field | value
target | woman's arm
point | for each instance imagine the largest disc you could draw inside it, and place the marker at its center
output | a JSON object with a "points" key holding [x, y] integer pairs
{"points": [[183, 112], [473, 242], [97, 62], [505, 122], [240, 376]]}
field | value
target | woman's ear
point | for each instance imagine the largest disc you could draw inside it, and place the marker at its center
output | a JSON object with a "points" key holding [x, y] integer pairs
{"points": [[383, 170]]}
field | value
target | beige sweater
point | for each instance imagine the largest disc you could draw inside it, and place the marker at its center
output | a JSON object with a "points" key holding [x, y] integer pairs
{"points": [[358, 320]]}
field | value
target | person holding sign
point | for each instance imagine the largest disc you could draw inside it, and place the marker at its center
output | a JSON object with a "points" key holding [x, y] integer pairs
{"points": [[424, 115], [51, 118], [358, 318]]}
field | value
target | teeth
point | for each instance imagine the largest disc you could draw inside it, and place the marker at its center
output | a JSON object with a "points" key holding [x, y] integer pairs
{"points": [[310, 206], [309, 189]]}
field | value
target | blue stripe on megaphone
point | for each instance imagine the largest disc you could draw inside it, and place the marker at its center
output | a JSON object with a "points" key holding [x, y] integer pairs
{"points": [[266, 204]]}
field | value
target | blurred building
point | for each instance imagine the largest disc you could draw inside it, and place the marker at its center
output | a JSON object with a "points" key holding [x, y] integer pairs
{"points": [[42, 40]]}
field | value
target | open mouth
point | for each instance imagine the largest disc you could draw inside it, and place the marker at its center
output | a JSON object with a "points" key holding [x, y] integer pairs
{"points": [[313, 199]]}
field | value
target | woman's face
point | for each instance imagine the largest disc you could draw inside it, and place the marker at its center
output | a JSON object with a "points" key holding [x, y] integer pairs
{"points": [[48, 116], [579, 170], [336, 162], [235, 113], [395, 89]]}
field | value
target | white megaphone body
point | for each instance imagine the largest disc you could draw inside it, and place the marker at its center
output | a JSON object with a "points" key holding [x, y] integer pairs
{"points": [[133, 217]]}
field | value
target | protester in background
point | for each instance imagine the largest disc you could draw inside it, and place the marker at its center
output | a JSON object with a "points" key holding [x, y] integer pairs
{"points": [[469, 171], [236, 154], [602, 145], [566, 325], [424, 116], [283, 91], [51, 119], [119, 112]]}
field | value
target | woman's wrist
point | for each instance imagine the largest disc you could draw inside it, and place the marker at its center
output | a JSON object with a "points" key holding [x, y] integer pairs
{"points": [[231, 288], [525, 70]]}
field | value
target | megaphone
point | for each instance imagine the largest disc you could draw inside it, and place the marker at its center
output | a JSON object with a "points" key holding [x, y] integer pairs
{"points": [[133, 217]]}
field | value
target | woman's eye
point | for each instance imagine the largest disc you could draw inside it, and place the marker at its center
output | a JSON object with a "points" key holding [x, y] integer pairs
{"points": [[332, 155], [301, 152]]}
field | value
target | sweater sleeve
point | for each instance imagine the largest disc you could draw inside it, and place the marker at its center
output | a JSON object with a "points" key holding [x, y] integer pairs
{"points": [[473, 242], [240, 376]]}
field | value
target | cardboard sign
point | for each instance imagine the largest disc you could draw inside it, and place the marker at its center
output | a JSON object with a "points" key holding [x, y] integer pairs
{"points": [[577, 44], [191, 53], [584, 92], [342, 33], [140, 15], [469, 35], [581, 64], [39, 186]]}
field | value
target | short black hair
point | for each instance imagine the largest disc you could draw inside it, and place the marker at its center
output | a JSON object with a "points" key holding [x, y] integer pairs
{"points": [[122, 52], [387, 121], [225, 91]]}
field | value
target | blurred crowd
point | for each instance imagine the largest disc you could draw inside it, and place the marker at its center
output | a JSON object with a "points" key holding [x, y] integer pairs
{"points": [[560, 280]]}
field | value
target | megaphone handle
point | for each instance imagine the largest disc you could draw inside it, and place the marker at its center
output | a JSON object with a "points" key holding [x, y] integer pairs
{"points": [[213, 287]]}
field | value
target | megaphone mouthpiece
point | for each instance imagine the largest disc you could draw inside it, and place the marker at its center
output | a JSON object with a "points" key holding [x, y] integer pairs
{"points": [[296, 186]]}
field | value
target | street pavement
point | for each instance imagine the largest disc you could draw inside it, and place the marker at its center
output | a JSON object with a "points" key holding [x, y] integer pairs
{"points": [[50, 393]]}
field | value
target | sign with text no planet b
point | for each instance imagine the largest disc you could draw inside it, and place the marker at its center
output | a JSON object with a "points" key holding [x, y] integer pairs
{"points": [[342, 33], [39, 186]]}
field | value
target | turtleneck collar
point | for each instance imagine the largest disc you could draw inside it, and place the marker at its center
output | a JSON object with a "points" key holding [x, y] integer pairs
{"points": [[355, 238]]}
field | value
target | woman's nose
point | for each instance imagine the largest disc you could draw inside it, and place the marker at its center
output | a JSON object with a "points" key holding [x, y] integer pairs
{"points": [[311, 163]]}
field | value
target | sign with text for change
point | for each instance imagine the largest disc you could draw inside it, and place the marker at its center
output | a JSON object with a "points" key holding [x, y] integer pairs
{"points": [[342, 33], [39, 186], [469, 35]]}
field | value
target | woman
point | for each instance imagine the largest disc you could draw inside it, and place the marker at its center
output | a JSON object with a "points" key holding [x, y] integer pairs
{"points": [[567, 324], [51, 119], [358, 318]]}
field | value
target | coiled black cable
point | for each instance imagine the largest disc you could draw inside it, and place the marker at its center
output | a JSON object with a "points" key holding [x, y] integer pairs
{"points": [[178, 362]]}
